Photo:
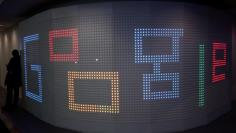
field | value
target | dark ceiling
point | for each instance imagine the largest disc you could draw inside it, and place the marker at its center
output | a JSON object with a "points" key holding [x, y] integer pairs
{"points": [[13, 11]]}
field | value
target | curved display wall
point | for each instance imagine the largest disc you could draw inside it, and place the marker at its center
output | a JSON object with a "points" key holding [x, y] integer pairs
{"points": [[127, 67]]}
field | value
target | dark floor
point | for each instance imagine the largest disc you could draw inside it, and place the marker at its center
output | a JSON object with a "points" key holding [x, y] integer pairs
{"points": [[3, 128], [224, 124], [21, 120], [19, 117]]}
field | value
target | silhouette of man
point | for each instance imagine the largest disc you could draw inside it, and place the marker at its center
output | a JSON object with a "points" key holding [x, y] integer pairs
{"points": [[13, 81]]}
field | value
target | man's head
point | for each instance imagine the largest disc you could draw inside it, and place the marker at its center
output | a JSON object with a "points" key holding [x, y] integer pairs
{"points": [[15, 53]]}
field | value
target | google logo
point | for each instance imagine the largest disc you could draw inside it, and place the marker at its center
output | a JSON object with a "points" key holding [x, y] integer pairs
{"points": [[139, 34]]}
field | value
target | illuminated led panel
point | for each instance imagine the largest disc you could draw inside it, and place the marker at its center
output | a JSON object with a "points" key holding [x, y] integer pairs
{"points": [[37, 68], [113, 76], [64, 33], [156, 60], [201, 84], [218, 62]]}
